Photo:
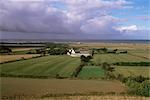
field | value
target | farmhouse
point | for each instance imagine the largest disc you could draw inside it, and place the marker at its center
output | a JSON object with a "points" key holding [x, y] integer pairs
{"points": [[73, 53]]}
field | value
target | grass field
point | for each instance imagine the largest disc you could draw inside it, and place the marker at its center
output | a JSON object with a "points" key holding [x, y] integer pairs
{"points": [[111, 58], [43, 66], [91, 72], [5, 58], [45, 87], [132, 70]]}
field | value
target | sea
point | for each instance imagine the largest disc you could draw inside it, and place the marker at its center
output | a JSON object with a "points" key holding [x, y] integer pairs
{"points": [[71, 41]]}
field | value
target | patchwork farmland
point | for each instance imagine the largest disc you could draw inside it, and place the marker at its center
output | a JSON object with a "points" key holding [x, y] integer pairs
{"points": [[55, 73]]}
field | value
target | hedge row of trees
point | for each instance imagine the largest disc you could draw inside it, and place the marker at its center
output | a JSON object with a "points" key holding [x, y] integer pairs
{"points": [[22, 76], [4, 49], [105, 50], [132, 63], [78, 70], [53, 49]]}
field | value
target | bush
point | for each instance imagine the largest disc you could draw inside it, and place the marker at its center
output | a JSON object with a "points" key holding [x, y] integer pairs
{"points": [[144, 89], [110, 75], [107, 67], [137, 85], [121, 78]]}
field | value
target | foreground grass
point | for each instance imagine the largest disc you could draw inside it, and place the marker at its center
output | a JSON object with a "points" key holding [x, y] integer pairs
{"points": [[48, 66]]}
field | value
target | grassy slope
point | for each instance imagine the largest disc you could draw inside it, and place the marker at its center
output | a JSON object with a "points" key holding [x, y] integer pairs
{"points": [[44, 66], [132, 70], [91, 72]]}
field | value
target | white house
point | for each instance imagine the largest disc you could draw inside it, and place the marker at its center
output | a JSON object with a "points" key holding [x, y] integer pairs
{"points": [[72, 53]]}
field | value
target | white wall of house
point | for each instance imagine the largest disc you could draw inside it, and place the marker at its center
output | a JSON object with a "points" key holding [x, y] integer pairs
{"points": [[73, 54]]}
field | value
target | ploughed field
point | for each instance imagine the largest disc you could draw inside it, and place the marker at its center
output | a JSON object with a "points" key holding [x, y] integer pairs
{"points": [[32, 88], [48, 66]]}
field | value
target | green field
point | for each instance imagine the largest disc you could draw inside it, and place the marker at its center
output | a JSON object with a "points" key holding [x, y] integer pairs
{"points": [[43, 66], [111, 58], [132, 71], [91, 72]]}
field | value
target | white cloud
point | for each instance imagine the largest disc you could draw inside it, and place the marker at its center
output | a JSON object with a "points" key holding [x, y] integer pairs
{"points": [[100, 25], [127, 28]]}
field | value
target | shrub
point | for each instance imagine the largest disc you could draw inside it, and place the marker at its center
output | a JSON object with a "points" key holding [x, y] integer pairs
{"points": [[137, 85], [120, 77], [107, 67], [136, 88], [144, 89]]}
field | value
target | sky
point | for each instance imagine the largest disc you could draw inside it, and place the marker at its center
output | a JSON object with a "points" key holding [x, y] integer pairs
{"points": [[75, 19]]}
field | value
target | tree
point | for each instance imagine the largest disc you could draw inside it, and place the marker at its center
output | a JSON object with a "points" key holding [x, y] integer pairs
{"points": [[107, 67], [85, 59], [104, 50], [92, 53]]}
